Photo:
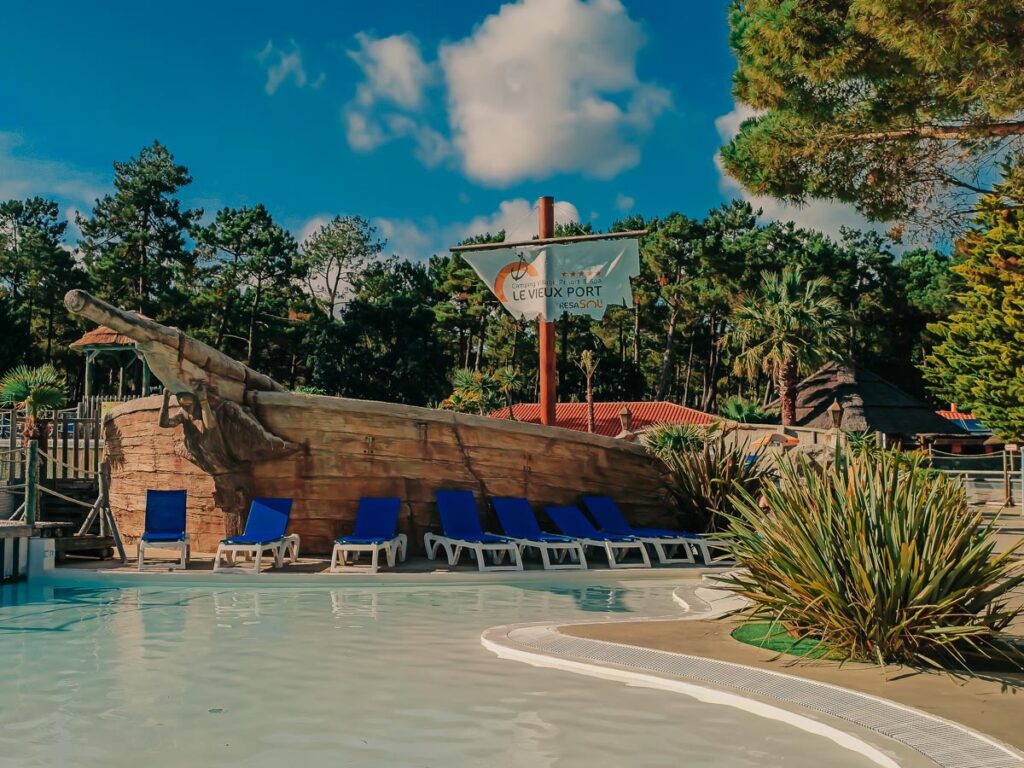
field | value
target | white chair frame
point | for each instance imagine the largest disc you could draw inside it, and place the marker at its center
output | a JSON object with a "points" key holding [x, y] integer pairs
{"points": [[229, 551], [612, 548], [702, 546], [183, 545], [453, 549], [670, 550], [573, 550], [291, 544], [392, 548]]}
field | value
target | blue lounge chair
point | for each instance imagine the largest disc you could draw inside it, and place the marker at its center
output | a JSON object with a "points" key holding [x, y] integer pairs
{"points": [[264, 532], [460, 522], [165, 525], [519, 523], [376, 523], [572, 522], [609, 517]]}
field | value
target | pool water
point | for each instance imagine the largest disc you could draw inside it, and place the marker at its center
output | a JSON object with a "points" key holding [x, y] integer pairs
{"points": [[344, 676]]}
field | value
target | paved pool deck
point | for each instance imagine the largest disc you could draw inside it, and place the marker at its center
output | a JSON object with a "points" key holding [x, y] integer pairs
{"points": [[992, 703]]}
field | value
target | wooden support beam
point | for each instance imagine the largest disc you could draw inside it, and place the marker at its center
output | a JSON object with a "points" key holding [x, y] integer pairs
{"points": [[548, 240], [546, 369]]}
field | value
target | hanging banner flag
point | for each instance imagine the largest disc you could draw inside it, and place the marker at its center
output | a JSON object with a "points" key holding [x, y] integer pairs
{"points": [[547, 280]]}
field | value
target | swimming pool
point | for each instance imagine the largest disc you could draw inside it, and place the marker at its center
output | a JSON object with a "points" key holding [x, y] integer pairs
{"points": [[354, 676]]}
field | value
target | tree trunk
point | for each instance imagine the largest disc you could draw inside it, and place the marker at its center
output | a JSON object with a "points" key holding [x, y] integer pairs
{"points": [[509, 403], [686, 380], [591, 419], [222, 327], [515, 344], [636, 333], [787, 392], [480, 346], [251, 354], [563, 353], [708, 398], [667, 355]]}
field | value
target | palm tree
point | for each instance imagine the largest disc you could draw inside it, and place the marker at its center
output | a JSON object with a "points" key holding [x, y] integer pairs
{"points": [[508, 381], [36, 390], [747, 412], [469, 392], [588, 365], [788, 325]]}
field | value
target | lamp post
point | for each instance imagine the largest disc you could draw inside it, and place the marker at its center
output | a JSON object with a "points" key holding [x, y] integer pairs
{"points": [[835, 413]]}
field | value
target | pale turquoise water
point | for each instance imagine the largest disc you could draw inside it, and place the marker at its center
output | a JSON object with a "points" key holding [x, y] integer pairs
{"points": [[356, 676]]}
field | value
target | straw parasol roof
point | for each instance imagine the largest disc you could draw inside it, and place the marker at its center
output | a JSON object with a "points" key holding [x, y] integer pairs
{"points": [[870, 404], [102, 337]]}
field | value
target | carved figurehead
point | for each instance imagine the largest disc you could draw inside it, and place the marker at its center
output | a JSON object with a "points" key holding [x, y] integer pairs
{"points": [[221, 432]]}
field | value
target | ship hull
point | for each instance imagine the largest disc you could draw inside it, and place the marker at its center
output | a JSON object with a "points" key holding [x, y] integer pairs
{"points": [[354, 448]]}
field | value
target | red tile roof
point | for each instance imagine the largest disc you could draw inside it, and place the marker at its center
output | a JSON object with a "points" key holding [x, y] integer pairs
{"points": [[606, 415], [102, 337], [956, 415]]}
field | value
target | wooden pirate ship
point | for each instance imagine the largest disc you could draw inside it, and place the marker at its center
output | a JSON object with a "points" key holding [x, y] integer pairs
{"points": [[227, 433]]}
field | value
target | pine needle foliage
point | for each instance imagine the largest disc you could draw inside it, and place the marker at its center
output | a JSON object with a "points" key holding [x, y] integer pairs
{"points": [[880, 560]]}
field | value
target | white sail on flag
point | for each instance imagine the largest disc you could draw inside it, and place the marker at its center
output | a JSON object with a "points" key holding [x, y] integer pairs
{"points": [[546, 280]]}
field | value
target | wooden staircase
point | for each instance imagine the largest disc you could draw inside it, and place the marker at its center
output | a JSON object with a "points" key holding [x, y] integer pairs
{"points": [[61, 520]]}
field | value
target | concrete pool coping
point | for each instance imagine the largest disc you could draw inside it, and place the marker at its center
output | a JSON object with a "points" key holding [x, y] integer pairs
{"points": [[886, 732], [315, 572]]}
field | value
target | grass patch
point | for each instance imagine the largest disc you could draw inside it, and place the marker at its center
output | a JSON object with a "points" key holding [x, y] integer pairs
{"points": [[774, 637]]}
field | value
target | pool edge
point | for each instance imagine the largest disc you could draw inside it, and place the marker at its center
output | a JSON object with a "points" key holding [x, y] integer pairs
{"points": [[928, 737]]}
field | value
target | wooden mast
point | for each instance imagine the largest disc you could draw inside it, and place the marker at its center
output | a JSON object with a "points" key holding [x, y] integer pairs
{"points": [[546, 369]]}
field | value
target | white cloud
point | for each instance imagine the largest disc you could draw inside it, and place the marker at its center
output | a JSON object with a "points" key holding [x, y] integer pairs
{"points": [[282, 65], [312, 226], [419, 240], [822, 215], [393, 68], [23, 176], [411, 240], [540, 87], [518, 218], [624, 203], [394, 79], [549, 86]]}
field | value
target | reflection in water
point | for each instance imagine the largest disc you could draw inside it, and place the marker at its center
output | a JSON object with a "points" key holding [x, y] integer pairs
{"points": [[389, 677], [346, 603], [592, 599], [237, 606]]}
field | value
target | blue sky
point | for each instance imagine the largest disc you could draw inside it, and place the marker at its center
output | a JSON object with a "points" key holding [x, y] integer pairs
{"points": [[433, 120]]}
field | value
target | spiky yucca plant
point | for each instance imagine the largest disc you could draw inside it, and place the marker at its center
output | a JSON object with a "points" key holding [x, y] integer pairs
{"points": [[665, 439], [36, 390], [704, 479], [880, 560]]}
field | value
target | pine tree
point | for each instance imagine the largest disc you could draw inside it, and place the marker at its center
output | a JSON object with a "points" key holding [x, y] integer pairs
{"points": [[134, 241], [978, 361], [890, 106], [332, 257], [252, 259]]}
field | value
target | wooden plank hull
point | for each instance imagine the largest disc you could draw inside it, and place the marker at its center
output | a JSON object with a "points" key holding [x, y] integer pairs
{"points": [[354, 448]]}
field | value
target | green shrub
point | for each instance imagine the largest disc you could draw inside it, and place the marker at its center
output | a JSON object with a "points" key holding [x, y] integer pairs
{"points": [[665, 439], [880, 560], [703, 480], [747, 412]]}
